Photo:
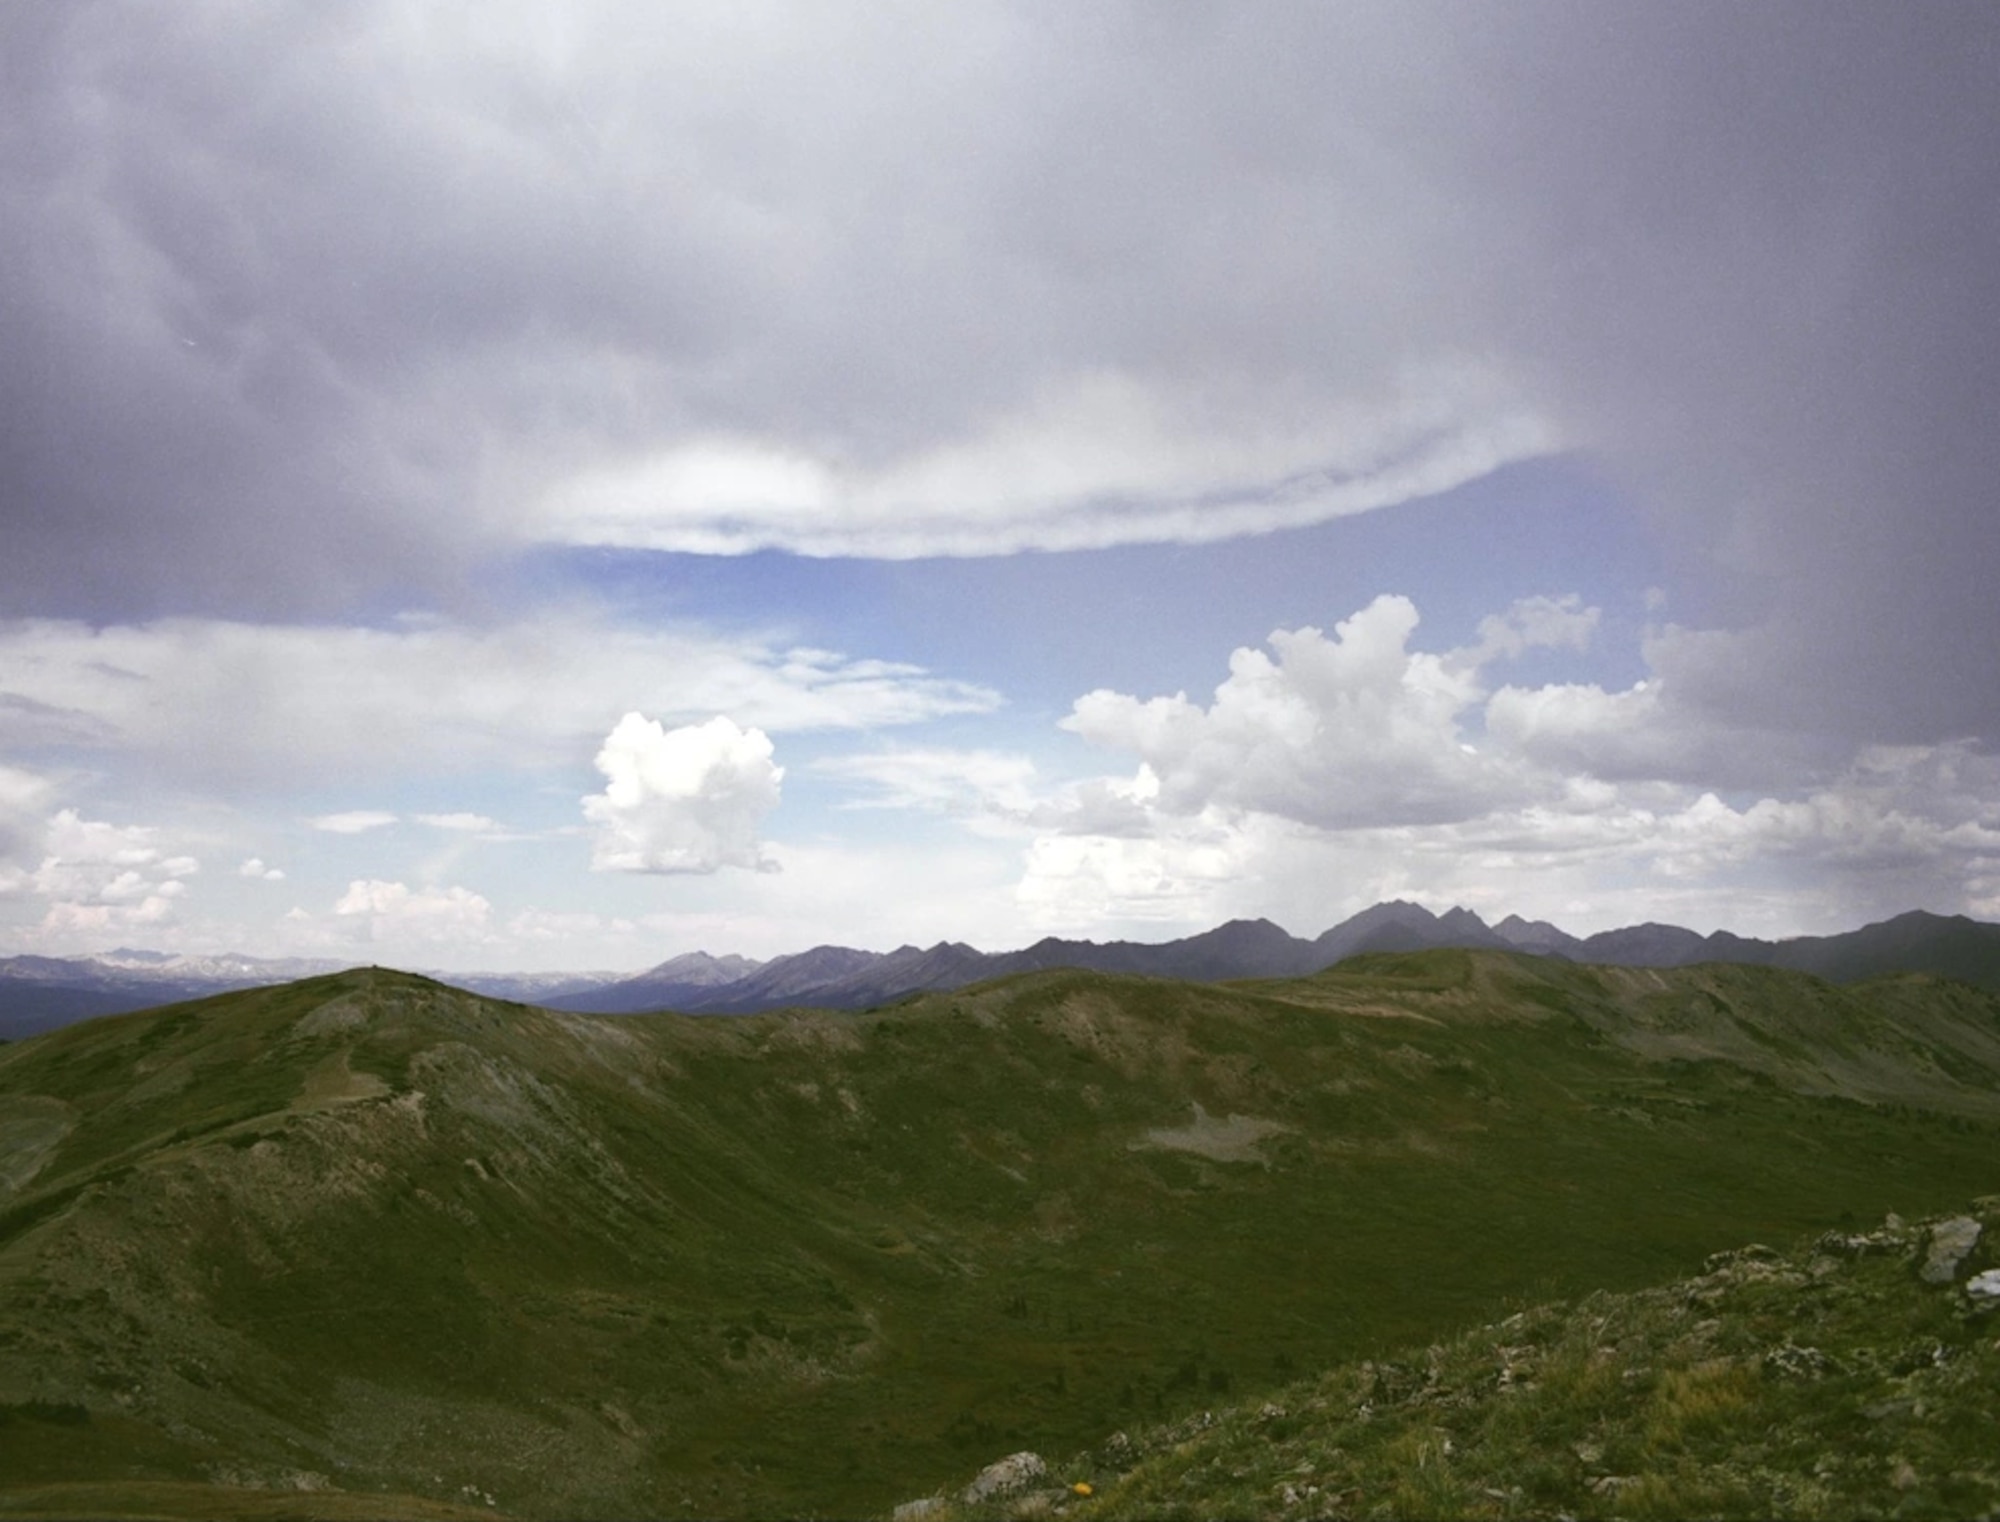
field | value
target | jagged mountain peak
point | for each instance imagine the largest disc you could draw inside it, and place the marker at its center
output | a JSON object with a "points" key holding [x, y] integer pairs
{"points": [[1539, 936], [700, 968]]}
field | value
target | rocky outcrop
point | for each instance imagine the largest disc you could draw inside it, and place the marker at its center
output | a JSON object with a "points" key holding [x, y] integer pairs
{"points": [[1005, 1477], [1950, 1243]]}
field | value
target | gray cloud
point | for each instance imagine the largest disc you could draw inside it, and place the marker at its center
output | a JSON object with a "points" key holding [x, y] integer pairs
{"points": [[304, 307], [1769, 294]]}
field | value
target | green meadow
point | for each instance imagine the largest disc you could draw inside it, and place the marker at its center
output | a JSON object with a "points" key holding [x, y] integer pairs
{"points": [[366, 1245]]}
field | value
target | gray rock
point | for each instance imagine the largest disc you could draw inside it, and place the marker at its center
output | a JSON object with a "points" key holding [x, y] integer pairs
{"points": [[1984, 1286], [915, 1511], [1794, 1362], [1951, 1241], [1017, 1471], [1756, 1252], [1865, 1244]]}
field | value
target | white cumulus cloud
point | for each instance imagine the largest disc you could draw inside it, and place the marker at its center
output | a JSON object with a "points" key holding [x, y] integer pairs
{"points": [[95, 876], [99, 876], [256, 868], [1534, 623], [687, 800], [392, 911], [1342, 770], [1351, 729]]}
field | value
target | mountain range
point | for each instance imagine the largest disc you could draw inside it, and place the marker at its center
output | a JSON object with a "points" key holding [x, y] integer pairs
{"points": [[45, 993], [839, 977]]}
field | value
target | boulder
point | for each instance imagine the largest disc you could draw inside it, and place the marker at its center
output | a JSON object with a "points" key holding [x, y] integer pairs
{"points": [[1951, 1241], [1016, 1472], [1984, 1286]]}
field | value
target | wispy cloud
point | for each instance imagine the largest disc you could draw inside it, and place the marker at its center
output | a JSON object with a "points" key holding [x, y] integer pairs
{"points": [[1100, 461], [461, 823], [352, 822], [342, 702]]}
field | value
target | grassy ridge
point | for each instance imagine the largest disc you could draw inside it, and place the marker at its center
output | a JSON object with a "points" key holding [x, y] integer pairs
{"points": [[370, 1234]]}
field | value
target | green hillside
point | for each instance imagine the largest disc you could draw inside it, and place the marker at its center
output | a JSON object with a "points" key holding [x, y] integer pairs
{"points": [[367, 1243], [1852, 1376]]}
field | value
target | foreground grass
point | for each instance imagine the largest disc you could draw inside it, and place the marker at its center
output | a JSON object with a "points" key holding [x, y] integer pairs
{"points": [[85, 1501], [1829, 1381]]}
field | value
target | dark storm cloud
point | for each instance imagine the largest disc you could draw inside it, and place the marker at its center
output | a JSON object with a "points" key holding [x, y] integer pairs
{"points": [[1745, 252], [296, 293], [1769, 289], [169, 425], [302, 305]]}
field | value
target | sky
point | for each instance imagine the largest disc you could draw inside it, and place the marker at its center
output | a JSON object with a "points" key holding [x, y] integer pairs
{"points": [[525, 487]]}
